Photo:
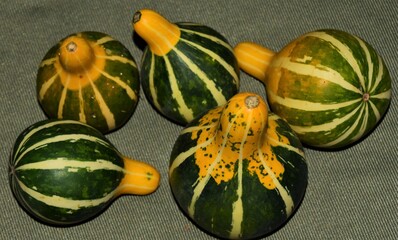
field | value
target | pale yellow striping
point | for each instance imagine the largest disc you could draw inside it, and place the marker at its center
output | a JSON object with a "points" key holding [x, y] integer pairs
{"points": [[122, 84], [375, 110], [210, 37], [383, 95], [47, 62], [44, 88], [287, 146], [311, 106], [106, 112], [152, 80], [61, 138], [61, 202], [210, 85], [82, 116], [201, 183], [254, 68], [196, 128], [287, 199], [317, 71], [38, 129], [184, 155], [216, 57], [344, 51], [119, 59], [326, 126], [379, 76], [62, 100], [237, 206], [183, 109], [103, 40], [368, 60], [349, 130]]}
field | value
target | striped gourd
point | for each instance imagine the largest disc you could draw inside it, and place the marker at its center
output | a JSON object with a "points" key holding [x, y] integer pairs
{"points": [[329, 85], [64, 172], [186, 68], [89, 77], [238, 171]]}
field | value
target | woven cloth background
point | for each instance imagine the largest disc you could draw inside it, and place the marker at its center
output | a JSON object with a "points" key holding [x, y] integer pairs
{"points": [[352, 194]]}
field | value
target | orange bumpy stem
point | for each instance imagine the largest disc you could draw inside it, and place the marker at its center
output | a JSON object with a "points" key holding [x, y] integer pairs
{"points": [[253, 59], [76, 54], [160, 34]]}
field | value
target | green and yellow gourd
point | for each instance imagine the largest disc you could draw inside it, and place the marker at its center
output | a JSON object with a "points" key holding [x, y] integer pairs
{"points": [[89, 77], [330, 86], [238, 171], [186, 68], [64, 172]]}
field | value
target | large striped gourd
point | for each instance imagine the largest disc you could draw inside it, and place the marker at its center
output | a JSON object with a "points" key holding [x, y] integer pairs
{"points": [[330, 86], [90, 77], [238, 171], [186, 68], [64, 172]]}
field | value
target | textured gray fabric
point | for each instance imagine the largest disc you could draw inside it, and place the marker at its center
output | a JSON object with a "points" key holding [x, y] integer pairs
{"points": [[352, 194]]}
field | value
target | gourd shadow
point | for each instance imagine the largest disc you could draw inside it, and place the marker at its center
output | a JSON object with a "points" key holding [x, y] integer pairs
{"points": [[138, 41], [360, 140], [252, 238]]}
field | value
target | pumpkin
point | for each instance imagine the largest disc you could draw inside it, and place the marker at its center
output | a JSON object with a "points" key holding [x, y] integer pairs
{"points": [[64, 172], [186, 68], [238, 171], [89, 77], [330, 86]]}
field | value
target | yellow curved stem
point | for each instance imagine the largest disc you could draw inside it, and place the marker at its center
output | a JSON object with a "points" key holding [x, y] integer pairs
{"points": [[253, 59], [160, 34], [140, 178]]}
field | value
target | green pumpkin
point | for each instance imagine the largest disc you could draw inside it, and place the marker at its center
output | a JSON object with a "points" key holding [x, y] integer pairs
{"points": [[64, 172], [330, 86], [89, 77], [186, 69], [238, 171]]}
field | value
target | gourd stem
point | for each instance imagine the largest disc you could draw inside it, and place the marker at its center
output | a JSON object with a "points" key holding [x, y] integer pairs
{"points": [[160, 34], [253, 59], [140, 178], [76, 54]]}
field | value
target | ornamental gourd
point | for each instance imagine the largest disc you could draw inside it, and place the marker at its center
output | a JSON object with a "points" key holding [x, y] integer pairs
{"points": [[186, 68], [330, 86], [89, 77], [64, 172], [238, 171]]}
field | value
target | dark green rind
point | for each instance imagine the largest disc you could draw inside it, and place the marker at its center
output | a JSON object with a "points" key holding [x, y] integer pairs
{"points": [[75, 185], [195, 94], [116, 98], [264, 210]]}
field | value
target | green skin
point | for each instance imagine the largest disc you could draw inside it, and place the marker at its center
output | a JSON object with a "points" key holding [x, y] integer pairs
{"points": [[115, 97], [264, 211], [72, 185], [195, 94]]}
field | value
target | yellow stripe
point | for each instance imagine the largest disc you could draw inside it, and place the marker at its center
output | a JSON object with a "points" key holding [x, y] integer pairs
{"points": [[119, 59], [310, 106], [216, 57], [379, 76], [183, 109], [45, 86], [326, 126], [318, 71], [344, 51], [210, 85], [106, 112], [59, 138], [61, 202], [210, 37], [122, 84], [201, 183], [48, 62], [103, 40], [62, 100], [152, 87]]}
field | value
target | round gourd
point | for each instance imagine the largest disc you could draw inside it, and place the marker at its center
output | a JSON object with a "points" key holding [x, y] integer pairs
{"points": [[238, 171], [64, 172], [186, 68], [330, 86], [89, 77]]}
